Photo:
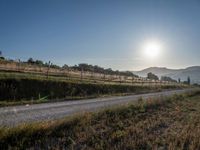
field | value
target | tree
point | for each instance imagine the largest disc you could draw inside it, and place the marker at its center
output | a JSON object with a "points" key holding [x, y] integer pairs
{"points": [[39, 62], [30, 61], [152, 76], [188, 80], [98, 69], [65, 66], [1, 56]]}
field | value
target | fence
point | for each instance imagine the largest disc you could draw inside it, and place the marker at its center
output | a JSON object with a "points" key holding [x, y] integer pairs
{"points": [[69, 74]]}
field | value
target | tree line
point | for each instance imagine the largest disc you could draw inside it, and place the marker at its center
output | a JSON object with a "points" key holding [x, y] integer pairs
{"points": [[152, 76], [96, 69], [82, 67]]}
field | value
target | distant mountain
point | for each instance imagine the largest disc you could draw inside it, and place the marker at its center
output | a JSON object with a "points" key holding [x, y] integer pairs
{"points": [[193, 72]]}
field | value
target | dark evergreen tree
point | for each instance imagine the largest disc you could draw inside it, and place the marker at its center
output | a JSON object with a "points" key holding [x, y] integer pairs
{"points": [[188, 80], [30, 61], [152, 76], [1, 56]]}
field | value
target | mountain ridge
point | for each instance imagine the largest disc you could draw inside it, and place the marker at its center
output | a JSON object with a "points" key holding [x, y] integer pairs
{"points": [[193, 72]]}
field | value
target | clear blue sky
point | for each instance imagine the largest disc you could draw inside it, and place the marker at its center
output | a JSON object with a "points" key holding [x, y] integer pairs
{"points": [[109, 33]]}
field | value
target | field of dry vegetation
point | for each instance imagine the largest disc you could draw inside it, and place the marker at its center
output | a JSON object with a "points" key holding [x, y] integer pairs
{"points": [[165, 123], [50, 84]]}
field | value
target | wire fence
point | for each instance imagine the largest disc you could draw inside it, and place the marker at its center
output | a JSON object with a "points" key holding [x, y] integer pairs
{"points": [[69, 74]]}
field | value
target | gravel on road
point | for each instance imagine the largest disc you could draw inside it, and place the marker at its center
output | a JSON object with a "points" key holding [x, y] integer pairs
{"points": [[15, 115]]}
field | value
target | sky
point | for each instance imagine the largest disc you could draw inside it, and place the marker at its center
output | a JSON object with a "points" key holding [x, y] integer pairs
{"points": [[108, 33]]}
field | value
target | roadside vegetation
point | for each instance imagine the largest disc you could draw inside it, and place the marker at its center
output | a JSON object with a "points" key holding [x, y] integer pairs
{"points": [[28, 88], [16, 91], [163, 123], [35, 81]]}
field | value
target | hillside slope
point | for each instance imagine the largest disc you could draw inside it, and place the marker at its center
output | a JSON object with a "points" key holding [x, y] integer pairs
{"points": [[193, 72]]}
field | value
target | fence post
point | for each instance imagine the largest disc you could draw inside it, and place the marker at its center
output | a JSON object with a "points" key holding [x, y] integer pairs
{"points": [[132, 80], [81, 73], [19, 65], [48, 70], [104, 76]]}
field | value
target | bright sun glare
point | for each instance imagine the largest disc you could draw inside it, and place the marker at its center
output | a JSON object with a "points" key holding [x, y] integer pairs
{"points": [[152, 49]]}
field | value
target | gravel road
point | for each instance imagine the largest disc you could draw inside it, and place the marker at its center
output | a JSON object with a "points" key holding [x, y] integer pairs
{"points": [[15, 115]]}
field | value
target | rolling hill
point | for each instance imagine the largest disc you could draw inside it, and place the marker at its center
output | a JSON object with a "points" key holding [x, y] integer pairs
{"points": [[193, 72]]}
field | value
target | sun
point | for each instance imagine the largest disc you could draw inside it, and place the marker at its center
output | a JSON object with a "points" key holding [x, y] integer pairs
{"points": [[152, 49]]}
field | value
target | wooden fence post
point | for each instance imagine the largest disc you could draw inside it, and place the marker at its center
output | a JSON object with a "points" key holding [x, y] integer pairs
{"points": [[81, 73], [48, 70]]}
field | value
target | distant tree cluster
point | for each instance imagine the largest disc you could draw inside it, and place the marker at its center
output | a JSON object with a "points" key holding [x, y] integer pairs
{"points": [[165, 78], [152, 76], [188, 81], [41, 63], [82, 67], [97, 69], [1, 56]]}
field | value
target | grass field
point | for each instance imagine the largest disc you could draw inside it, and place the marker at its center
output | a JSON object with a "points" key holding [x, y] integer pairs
{"points": [[24, 88], [33, 71], [77, 79], [165, 123]]}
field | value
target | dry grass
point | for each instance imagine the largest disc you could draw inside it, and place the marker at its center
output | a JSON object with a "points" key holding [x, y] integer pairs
{"points": [[167, 123]]}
